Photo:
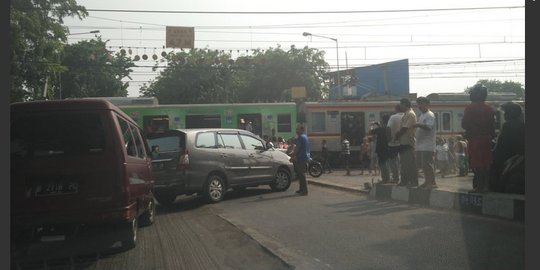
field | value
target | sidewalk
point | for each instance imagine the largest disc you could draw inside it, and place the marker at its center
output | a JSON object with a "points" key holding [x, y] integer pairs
{"points": [[451, 194]]}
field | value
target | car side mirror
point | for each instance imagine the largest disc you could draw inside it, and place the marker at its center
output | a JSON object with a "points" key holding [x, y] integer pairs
{"points": [[269, 145]]}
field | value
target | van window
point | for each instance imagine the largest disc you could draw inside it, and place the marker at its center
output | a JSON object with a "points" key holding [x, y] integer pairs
{"points": [[129, 142], [139, 145], [230, 141], [46, 134], [206, 140], [252, 143]]}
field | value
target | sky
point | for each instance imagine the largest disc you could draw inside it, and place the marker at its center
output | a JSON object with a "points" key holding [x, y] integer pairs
{"points": [[450, 45]]}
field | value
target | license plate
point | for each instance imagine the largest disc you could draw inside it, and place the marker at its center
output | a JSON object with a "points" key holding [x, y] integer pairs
{"points": [[56, 189]]}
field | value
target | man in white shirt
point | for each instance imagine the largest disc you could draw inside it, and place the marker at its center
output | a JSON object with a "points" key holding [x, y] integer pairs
{"points": [[425, 142], [407, 140], [394, 123]]}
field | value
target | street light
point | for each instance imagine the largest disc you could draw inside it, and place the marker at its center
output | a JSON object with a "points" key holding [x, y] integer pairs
{"points": [[305, 34]]}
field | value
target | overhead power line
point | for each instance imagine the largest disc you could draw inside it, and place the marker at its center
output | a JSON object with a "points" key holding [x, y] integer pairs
{"points": [[294, 12]]}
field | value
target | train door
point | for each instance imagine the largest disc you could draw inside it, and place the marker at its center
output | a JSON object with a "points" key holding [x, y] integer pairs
{"points": [[155, 123], [254, 120], [353, 127]]}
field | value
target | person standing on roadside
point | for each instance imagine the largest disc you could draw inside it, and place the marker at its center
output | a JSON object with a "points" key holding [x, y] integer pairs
{"points": [[460, 150], [300, 158], [381, 148], [479, 124], [394, 123], [425, 142], [407, 140], [346, 152], [510, 144], [326, 157]]}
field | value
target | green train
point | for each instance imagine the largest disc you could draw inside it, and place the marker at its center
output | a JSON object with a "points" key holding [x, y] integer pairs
{"points": [[264, 119], [328, 120]]}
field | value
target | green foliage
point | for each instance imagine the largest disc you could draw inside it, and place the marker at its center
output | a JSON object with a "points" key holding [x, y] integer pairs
{"points": [[496, 86], [92, 71], [37, 38], [200, 76], [206, 76]]}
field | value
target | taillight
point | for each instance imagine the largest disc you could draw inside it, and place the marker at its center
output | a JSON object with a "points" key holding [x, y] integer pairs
{"points": [[183, 161]]}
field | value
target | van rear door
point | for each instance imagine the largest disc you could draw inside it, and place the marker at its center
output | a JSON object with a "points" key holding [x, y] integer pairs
{"points": [[61, 165]]}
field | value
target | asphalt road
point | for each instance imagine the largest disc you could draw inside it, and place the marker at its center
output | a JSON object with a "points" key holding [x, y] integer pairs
{"points": [[329, 229], [190, 235]]}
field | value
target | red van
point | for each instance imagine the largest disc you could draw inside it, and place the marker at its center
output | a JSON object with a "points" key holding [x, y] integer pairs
{"points": [[78, 167]]}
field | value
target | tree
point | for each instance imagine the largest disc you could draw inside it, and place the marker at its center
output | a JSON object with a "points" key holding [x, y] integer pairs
{"points": [[92, 71], [495, 86], [273, 72], [206, 76], [37, 38], [200, 76]]}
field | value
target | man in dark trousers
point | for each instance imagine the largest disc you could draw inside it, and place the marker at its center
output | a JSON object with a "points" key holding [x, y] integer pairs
{"points": [[381, 147], [300, 158], [326, 157]]}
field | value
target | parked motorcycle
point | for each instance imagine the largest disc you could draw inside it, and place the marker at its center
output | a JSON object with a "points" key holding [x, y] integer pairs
{"points": [[315, 168]]}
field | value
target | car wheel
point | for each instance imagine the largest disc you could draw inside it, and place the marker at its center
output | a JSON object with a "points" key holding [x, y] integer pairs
{"points": [[148, 217], [282, 181], [214, 190], [131, 237], [165, 198]]}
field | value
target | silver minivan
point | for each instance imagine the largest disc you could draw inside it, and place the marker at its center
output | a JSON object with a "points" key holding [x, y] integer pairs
{"points": [[211, 161]]}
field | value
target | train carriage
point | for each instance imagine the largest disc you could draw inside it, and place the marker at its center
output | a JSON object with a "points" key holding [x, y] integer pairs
{"points": [[265, 119], [333, 121], [330, 120]]}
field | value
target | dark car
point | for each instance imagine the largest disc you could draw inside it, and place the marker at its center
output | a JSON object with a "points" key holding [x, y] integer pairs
{"points": [[78, 167], [210, 161]]}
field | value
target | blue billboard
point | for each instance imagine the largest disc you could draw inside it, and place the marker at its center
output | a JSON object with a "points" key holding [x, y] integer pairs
{"points": [[386, 79]]}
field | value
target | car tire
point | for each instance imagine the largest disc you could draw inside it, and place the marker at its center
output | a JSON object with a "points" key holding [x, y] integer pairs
{"points": [[214, 190], [148, 217], [131, 234], [282, 181]]}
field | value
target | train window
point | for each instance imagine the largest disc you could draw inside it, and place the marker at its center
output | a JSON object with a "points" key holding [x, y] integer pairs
{"points": [[284, 123], [318, 121], [446, 121], [203, 121], [443, 121]]}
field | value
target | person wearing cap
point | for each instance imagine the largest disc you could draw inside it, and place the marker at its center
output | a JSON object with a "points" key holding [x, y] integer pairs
{"points": [[407, 140], [479, 124], [425, 142], [510, 143]]}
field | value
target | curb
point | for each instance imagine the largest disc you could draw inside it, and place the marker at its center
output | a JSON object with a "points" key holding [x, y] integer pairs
{"points": [[506, 206], [271, 246], [288, 257], [340, 188]]}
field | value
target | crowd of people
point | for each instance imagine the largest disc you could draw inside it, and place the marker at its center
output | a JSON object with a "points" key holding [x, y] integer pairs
{"points": [[405, 146]]}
